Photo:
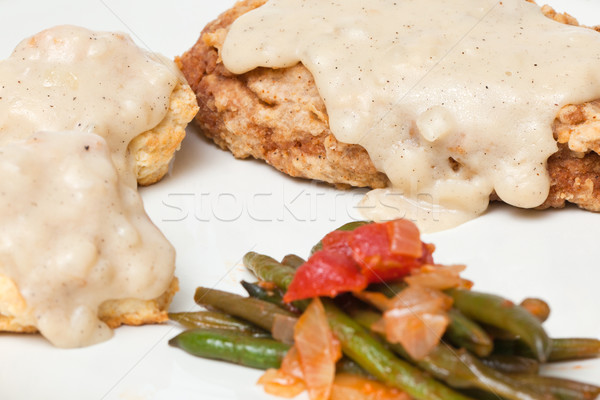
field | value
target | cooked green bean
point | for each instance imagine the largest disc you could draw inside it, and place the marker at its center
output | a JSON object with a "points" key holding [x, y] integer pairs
{"points": [[389, 289], [512, 364], [350, 226], [563, 349], [268, 269], [499, 334], [501, 313], [458, 368], [574, 349], [511, 347], [215, 320], [260, 313], [271, 296], [480, 394], [261, 353], [564, 389], [346, 365], [537, 307], [259, 292], [463, 332], [373, 357], [292, 260]]}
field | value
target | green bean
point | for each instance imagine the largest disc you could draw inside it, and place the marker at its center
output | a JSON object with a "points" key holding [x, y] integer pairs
{"points": [[215, 320], [463, 332], [389, 289], [499, 334], [292, 260], [511, 347], [374, 358], [261, 353], [271, 296], [267, 269], [480, 394], [270, 270], [346, 365], [512, 364], [260, 313], [574, 349], [536, 307], [458, 368], [561, 388], [564, 349], [259, 292], [504, 314], [350, 226]]}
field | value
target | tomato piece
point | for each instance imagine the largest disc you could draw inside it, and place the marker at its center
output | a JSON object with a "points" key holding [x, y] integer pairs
{"points": [[427, 257], [338, 241], [326, 273], [371, 248], [405, 238], [350, 260]]}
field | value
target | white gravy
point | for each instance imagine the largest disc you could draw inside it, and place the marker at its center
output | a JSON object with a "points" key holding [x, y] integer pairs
{"points": [[74, 235], [476, 82], [74, 232], [71, 78]]}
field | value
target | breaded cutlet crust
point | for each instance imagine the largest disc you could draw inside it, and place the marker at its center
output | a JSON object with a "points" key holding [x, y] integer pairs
{"points": [[278, 116], [274, 115]]}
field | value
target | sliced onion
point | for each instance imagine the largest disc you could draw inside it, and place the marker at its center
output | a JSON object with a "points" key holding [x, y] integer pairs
{"points": [[316, 350], [415, 295], [446, 269], [417, 320], [439, 277], [418, 332], [283, 328], [354, 387], [377, 300], [379, 326], [279, 383], [405, 238], [291, 364]]}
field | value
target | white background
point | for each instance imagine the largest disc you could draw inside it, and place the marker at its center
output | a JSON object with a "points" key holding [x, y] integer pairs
{"points": [[214, 208]]}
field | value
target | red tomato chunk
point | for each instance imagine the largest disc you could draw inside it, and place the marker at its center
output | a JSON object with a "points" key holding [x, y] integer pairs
{"points": [[350, 260]]}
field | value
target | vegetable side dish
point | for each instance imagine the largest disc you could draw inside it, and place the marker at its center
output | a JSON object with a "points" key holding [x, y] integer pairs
{"points": [[370, 316]]}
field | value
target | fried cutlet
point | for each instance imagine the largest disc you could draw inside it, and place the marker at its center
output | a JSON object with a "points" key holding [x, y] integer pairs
{"points": [[278, 116]]}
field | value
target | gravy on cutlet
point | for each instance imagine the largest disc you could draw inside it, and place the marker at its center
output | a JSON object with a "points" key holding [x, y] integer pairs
{"points": [[452, 105]]}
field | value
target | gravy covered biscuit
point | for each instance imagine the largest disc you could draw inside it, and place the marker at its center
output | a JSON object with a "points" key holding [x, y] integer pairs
{"points": [[79, 240], [84, 118], [440, 112], [71, 78]]}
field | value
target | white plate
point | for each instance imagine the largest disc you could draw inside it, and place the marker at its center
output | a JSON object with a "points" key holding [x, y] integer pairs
{"points": [[214, 208]]}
